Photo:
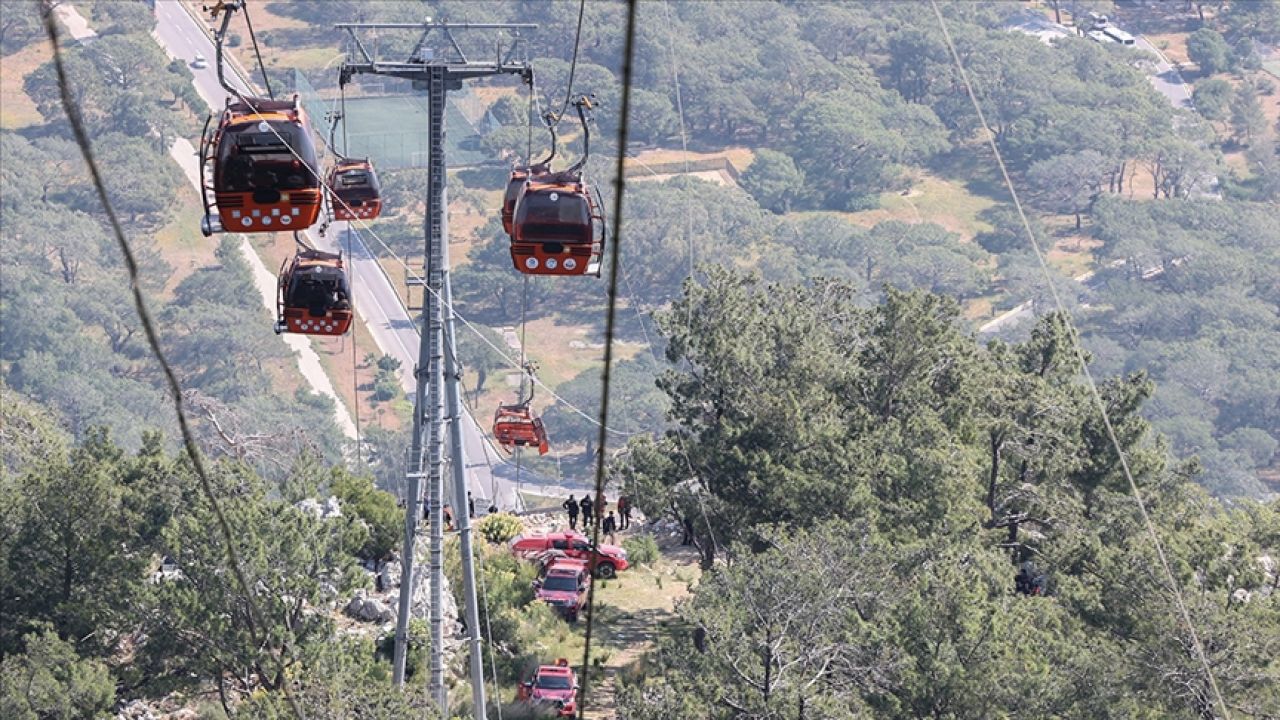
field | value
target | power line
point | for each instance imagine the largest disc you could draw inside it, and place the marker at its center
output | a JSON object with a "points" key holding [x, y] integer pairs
{"points": [[1084, 367], [153, 341], [620, 183]]}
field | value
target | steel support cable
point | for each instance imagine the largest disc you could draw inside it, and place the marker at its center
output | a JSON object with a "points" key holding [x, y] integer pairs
{"points": [[266, 81], [684, 451], [153, 341], [488, 631], [620, 182], [1084, 368], [573, 63], [684, 142], [355, 364]]}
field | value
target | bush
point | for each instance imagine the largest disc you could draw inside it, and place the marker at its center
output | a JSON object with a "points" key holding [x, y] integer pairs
{"points": [[499, 527], [376, 508], [385, 387], [641, 549]]}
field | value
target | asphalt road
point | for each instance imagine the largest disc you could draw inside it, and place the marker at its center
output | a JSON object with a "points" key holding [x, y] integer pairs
{"points": [[489, 475]]}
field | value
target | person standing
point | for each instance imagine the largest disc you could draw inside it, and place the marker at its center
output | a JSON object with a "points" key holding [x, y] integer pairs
{"points": [[609, 527], [571, 507], [471, 506], [624, 512], [587, 507]]}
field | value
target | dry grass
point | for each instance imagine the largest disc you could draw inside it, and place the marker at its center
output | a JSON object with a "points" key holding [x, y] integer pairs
{"points": [[345, 370], [180, 242], [1174, 47], [931, 199], [739, 157], [638, 607], [17, 109]]}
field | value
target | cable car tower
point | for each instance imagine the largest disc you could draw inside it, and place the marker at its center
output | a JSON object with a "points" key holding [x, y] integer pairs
{"points": [[437, 64]]}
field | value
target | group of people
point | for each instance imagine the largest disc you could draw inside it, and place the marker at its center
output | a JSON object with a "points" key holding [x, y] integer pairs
{"points": [[588, 509]]}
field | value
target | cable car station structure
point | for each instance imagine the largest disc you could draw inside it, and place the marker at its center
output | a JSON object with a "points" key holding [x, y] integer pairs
{"points": [[437, 399]]}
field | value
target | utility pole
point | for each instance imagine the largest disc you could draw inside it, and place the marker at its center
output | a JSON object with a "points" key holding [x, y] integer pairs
{"points": [[437, 64]]}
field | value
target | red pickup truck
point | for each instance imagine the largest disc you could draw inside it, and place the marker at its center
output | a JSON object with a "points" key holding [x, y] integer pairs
{"points": [[564, 587], [607, 561], [554, 685]]}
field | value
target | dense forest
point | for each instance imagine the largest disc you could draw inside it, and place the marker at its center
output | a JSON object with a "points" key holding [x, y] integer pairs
{"points": [[844, 395]]}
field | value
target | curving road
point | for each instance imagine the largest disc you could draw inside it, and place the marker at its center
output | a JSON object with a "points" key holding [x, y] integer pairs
{"points": [[489, 475]]}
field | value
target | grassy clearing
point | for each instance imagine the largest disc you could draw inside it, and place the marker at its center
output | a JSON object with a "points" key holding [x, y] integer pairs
{"points": [[17, 109], [345, 371], [180, 242], [1173, 45], [931, 199], [637, 609], [739, 157]]}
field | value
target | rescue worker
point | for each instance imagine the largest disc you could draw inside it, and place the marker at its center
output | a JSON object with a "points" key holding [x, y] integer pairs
{"points": [[571, 507], [624, 512], [587, 507], [609, 527]]}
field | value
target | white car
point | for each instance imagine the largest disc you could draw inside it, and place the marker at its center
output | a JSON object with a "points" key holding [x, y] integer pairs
{"points": [[199, 63]]}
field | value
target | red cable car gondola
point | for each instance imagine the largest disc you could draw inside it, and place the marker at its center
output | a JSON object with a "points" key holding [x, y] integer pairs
{"points": [[515, 426], [556, 227], [515, 185], [357, 192], [554, 220], [262, 165], [313, 297]]}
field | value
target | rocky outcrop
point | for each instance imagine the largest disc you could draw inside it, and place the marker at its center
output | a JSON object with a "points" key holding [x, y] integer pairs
{"points": [[368, 609]]}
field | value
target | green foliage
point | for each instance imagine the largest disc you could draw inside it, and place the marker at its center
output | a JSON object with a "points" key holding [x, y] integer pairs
{"points": [[375, 508], [641, 549], [1248, 121], [524, 632], [1207, 48], [20, 25], [198, 624], [49, 680], [77, 526], [388, 363], [344, 679], [774, 181], [1212, 98], [498, 528], [1203, 323]]}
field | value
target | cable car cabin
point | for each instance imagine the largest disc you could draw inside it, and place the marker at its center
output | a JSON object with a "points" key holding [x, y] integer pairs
{"points": [[263, 168], [557, 228], [357, 193], [313, 297], [515, 185], [515, 426]]}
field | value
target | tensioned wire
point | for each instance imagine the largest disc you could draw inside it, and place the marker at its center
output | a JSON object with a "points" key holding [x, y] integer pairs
{"points": [[153, 341], [1174, 589], [620, 182]]}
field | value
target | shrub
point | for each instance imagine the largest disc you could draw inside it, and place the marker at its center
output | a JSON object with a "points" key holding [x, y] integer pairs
{"points": [[499, 527], [641, 549]]}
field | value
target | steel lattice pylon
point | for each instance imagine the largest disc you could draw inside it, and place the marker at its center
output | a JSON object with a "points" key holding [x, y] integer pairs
{"points": [[437, 382]]}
